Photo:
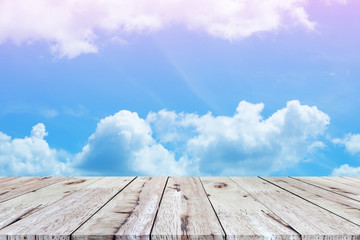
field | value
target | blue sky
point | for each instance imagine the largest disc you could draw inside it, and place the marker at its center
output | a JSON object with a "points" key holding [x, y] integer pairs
{"points": [[173, 95]]}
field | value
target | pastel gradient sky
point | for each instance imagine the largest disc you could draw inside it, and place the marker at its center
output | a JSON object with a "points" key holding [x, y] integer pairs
{"points": [[190, 87]]}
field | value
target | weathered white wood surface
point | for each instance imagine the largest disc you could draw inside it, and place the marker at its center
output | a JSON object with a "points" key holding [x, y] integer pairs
{"points": [[339, 188], [13, 182], [355, 179], [22, 206], [340, 205], [311, 221], [21, 186], [185, 212], [347, 181], [63, 217], [241, 216], [129, 208], [9, 180], [129, 215]]}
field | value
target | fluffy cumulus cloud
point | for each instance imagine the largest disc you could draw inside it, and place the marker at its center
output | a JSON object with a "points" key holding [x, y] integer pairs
{"points": [[123, 145], [31, 155], [245, 143], [170, 143], [346, 170], [351, 143], [74, 27]]}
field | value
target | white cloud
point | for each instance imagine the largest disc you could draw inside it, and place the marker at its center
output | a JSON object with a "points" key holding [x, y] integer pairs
{"points": [[346, 170], [330, 2], [49, 113], [351, 143], [170, 143], [30, 155], [79, 111], [123, 145], [74, 27], [244, 143]]}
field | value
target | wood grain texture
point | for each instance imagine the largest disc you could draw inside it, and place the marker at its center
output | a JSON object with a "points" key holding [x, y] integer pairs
{"points": [[311, 221], [63, 217], [344, 180], [241, 216], [185, 212], [12, 182], [339, 188], [129, 215], [357, 179], [22, 186], [22, 206], [7, 180], [354, 179], [340, 205]]}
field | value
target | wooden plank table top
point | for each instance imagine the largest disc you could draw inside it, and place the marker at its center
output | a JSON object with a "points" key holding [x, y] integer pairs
{"points": [[167, 208]]}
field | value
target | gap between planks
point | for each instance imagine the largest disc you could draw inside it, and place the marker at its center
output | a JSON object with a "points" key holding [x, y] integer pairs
{"points": [[157, 210], [24, 185], [70, 236], [212, 206]]}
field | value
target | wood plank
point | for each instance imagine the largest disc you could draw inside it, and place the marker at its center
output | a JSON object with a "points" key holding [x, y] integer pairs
{"points": [[241, 216], [357, 180], [347, 181], [129, 215], [340, 205], [58, 220], [12, 181], [7, 179], [185, 212], [26, 185], [339, 188], [22, 206], [311, 221]]}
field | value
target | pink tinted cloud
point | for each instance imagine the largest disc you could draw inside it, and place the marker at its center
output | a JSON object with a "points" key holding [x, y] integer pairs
{"points": [[73, 27]]}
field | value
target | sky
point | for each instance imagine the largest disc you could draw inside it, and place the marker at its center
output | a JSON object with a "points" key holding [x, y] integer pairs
{"points": [[190, 87]]}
